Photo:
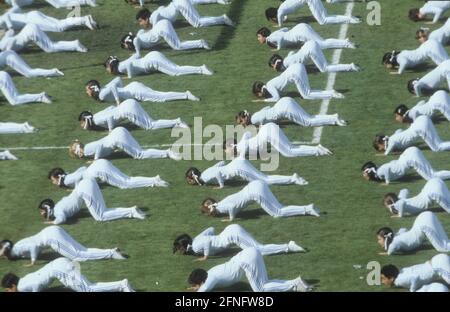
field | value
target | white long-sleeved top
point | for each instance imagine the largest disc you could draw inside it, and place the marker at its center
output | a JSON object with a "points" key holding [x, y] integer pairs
{"points": [[430, 49], [433, 79], [438, 102], [411, 158], [434, 191], [435, 8], [433, 287], [441, 34]]}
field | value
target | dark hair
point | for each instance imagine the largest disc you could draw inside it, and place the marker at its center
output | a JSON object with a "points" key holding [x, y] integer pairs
{"points": [[388, 235], [55, 172], [390, 58], [420, 32], [272, 14], [379, 139], [181, 243], [264, 31], [410, 85], [257, 87], [94, 85], [9, 280], [6, 251], [242, 115], [276, 60], [401, 110], [127, 42], [413, 15], [84, 114], [87, 117], [197, 277], [205, 209], [143, 14], [112, 62], [372, 175], [48, 205], [190, 176], [389, 200], [390, 271]]}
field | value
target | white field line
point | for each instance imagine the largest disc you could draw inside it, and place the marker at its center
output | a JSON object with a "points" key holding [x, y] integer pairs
{"points": [[317, 135]]}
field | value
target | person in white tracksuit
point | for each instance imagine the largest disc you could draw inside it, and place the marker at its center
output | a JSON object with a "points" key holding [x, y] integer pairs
{"points": [[433, 287], [12, 59], [238, 167], [188, 11], [434, 8], [16, 19], [154, 61], [6, 155], [141, 2], [105, 172], [116, 91], [117, 139], [13, 127], [311, 50], [147, 39], [55, 3], [89, 193], [438, 102], [67, 273], [249, 263], [287, 109], [207, 243], [317, 9], [9, 91], [432, 80], [295, 74], [33, 34], [442, 34], [434, 191], [425, 227], [411, 158], [435, 270], [129, 110], [422, 127], [256, 191], [406, 59], [299, 34], [55, 238], [271, 133]]}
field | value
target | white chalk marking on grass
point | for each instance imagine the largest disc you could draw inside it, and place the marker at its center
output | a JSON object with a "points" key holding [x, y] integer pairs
{"points": [[317, 135]]}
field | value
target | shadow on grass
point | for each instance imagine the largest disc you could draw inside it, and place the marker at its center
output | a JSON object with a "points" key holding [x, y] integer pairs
{"points": [[238, 287], [415, 251], [251, 214], [227, 33]]}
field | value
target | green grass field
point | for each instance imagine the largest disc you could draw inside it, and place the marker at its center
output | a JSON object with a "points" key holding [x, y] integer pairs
{"points": [[342, 237]]}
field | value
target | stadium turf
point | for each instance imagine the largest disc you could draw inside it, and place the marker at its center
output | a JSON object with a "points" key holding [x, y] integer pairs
{"points": [[343, 237]]}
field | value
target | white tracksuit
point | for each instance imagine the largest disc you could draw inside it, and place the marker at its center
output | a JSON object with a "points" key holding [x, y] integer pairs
{"points": [[249, 263], [13, 96], [146, 39], [302, 33], [288, 108], [207, 243], [13, 127], [433, 287], [430, 49], [155, 62], [18, 20], [130, 110], [55, 3], [5, 155], [425, 227], [296, 74], [242, 168], [435, 270], [422, 127], [33, 34], [434, 191], [12, 59], [115, 91], [435, 8], [438, 102], [259, 192], [411, 158], [312, 50], [433, 79], [317, 10], [121, 139], [66, 272], [188, 11], [87, 191], [59, 241], [105, 172], [441, 34], [271, 133]]}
